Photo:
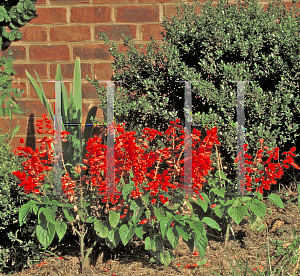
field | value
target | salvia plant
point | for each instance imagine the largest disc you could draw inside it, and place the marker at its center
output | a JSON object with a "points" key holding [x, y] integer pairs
{"points": [[221, 44]]}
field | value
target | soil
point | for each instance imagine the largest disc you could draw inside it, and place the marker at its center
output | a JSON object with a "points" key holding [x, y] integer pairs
{"points": [[245, 245]]}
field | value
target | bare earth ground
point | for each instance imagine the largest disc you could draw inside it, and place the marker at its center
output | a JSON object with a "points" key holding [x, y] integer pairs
{"points": [[249, 245]]}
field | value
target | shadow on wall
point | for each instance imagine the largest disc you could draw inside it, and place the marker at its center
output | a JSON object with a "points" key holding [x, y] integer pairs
{"points": [[99, 131]]}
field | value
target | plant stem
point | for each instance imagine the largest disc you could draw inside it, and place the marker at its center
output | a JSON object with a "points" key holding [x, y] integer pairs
{"points": [[227, 236]]}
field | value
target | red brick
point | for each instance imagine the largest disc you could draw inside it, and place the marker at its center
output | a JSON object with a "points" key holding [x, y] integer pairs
{"points": [[103, 71], [67, 70], [49, 89], [162, 1], [115, 1], [36, 107], [40, 2], [50, 15], [91, 52], [152, 29], [19, 52], [89, 91], [131, 14], [41, 70], [170, 10], [288, 5], [70, 33], [33, 33], [23, 123], [69, 2], [49, 52], [115, 32], [90, 14], [21, 86]]}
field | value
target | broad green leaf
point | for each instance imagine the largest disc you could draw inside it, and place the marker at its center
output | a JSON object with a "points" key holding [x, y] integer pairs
{"points": [[90, 220], [201, 244], [219, 210], [45, 232], [49, 213], [101, 229], [182, 231], [172, 237], [124, 234], [136, 215], [25, 210], [149, 243], [114, 218], [258, 208], [237, 213], [60, 228], [164, 223], [212, 223], [68, 215], [139, 231], [276, 200]]}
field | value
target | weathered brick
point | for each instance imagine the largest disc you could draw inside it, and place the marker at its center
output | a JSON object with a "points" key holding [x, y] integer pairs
{"points": [[40, 2], [35, 105], [115, 1], [152, 29], [90, 14], [67, 70], [49, 52], [88, 90], [162, 1], [103, 71], [115, 32], [131, 14], [21, 86], [50, 15], [19, 52], [41, 70], [70, 33], [49, 89], [91, 52], [34, 33], [69, 2]]}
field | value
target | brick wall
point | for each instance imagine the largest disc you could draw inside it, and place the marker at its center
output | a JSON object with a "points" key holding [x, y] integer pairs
{"points": [[66, 29]]}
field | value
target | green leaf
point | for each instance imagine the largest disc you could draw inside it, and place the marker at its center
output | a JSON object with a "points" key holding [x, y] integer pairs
{"points": [[114, 218], [60, 228], [182, 231], [201, 244], [90, 220], [237, 213], [276, 200], [201, 203], [164, 223], [125, 234], [149, 243], [68, 215], [136, 215], [49, 213], [258, 208], [45, 232], [101, 229], [172, 237], [25, 210], [212, 223], [139, 231]]}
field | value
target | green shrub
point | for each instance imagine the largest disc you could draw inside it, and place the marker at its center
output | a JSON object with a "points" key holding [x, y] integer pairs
{"points": [[19, 245], [222, 44]]}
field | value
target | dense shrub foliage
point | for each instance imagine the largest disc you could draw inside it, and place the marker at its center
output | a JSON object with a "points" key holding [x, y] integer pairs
{"points": [[221, 44], [18, 244]]}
